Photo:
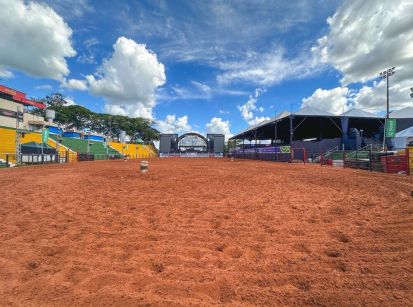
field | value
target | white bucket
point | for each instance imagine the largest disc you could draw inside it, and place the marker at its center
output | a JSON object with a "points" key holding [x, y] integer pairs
{"points": [[144, 166]]}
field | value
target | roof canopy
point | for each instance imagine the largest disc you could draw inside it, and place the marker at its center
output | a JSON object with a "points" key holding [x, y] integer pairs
{"points": [[354, 112], [403, 113], [310, 112], [405, 133], [20, 97]]}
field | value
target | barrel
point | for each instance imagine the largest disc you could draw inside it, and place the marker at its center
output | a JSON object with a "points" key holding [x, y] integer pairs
{"points": [[144, 166]]}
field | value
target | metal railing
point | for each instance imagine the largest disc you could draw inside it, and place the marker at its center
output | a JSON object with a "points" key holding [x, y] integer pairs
{"points": [[366, 159]]}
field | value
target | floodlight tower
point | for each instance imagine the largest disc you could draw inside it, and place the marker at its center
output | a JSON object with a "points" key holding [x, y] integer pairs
{"points": [[386, 75]]}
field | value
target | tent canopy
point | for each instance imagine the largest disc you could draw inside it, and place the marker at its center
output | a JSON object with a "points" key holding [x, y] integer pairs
{"points": [[403, 138], [315, 119], [402, 113], [405, 133]]}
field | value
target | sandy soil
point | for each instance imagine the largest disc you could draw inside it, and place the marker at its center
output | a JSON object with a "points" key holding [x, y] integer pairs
{"points": [[204, 232]]}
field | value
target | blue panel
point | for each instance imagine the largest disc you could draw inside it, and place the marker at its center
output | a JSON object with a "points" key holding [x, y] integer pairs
{"points": [[71, 134], [94, 138], [55, 130]]}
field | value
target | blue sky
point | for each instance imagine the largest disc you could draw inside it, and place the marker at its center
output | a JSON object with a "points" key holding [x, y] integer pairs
{"points": [[208, 66]]}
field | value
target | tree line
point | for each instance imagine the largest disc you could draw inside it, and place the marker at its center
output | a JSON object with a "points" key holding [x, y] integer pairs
{"points": [[78, 117]]}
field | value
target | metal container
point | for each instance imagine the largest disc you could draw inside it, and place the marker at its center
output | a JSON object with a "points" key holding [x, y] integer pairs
{"points": [[144, 166], [50, 115]]}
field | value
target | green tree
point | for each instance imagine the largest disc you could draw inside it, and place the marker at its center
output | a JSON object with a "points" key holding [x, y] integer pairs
{"points": [[78, 117]]}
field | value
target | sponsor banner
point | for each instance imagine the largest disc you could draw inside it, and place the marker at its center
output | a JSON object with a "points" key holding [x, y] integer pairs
{"points": [[269, 150], [390, 127], [45, 135]]}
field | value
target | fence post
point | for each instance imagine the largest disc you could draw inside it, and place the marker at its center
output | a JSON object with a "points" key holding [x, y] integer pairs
{"points": [[407, 161], [370, 160], [304, 154], [357, 164]]}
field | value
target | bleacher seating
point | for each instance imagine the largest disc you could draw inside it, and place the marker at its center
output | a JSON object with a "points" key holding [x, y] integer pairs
{"points": [[134, 150], [7, 144], [97, 148], [71, 146]]}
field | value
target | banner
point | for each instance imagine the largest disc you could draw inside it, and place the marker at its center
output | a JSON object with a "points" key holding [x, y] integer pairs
{"points": [[45, 135], [390, 127], [279, 149]]}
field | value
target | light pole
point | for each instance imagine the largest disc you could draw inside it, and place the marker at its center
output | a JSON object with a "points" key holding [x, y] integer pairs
{"points": [[386, 75]]}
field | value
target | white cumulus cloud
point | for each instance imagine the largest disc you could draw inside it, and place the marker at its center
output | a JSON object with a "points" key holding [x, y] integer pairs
{"points": [[80, 85], [366, 37], [34, 39], [334, 100], [69, 101], [373, 98], [267, 69], [247, 109], [219, 126], [173, 124], [128, 79]]}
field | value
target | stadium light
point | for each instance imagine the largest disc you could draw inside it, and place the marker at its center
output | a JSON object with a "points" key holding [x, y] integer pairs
{"points": [[386, 75]]}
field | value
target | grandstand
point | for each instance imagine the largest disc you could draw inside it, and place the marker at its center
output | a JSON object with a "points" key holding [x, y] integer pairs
{"points": [[134, 150], [97, 148], [352, 139], [18, 127]]}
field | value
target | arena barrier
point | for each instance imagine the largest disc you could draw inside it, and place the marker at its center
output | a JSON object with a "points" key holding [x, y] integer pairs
{"points": [[393, 162], [191, 155], [278, 153]]}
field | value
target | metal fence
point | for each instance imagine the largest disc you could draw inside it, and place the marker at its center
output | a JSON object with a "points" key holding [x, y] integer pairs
{"points": [[12, 160], [399, 162], [270, 154]]}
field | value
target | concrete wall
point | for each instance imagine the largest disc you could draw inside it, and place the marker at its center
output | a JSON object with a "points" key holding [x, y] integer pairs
{"points": [[6, 121]]}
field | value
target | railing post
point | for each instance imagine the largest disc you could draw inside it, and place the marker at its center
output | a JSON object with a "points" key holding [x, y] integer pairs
{"points": [[370, 160], [7, 160], [304, 154], [357, 164]]}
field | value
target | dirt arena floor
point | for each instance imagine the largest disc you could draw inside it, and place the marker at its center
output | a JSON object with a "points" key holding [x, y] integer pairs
{"points": [[204, 232]]}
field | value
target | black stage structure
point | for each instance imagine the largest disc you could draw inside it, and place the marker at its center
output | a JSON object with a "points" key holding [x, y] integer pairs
{"points": [[191, 144]]}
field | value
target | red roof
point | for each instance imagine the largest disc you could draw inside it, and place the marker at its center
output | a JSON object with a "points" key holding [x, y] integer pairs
{"points": [[20, 97]]}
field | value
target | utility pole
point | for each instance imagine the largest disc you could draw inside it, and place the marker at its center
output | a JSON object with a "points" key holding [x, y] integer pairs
{"points": [[386, 75]]}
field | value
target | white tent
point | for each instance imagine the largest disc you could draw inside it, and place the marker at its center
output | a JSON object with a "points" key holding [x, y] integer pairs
{"points": [[354, 112], [403, 138], [402, 113]]}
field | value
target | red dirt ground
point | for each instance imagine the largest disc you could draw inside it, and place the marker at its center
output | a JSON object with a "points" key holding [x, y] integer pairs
{"points": [[204, 232]]}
